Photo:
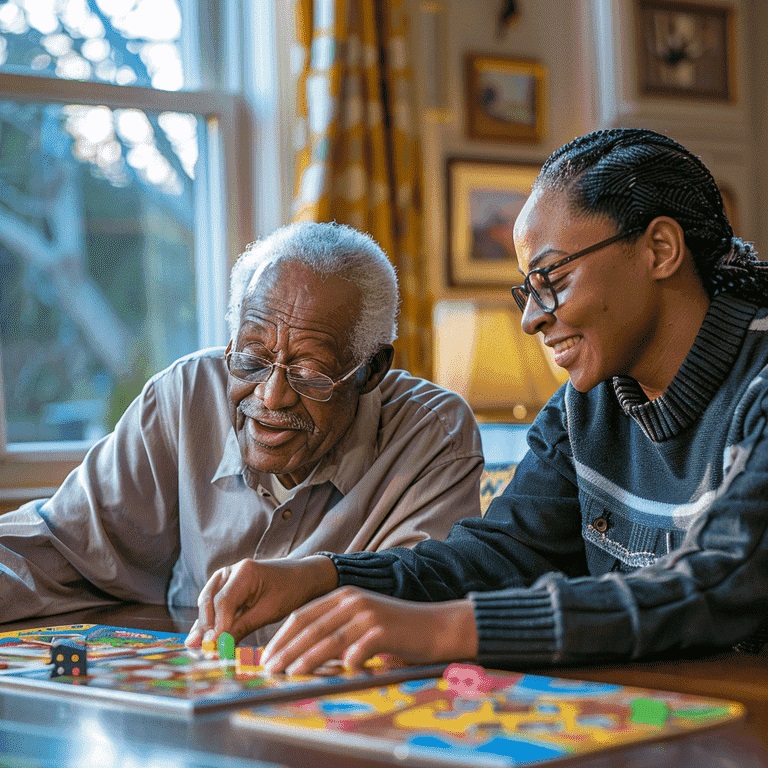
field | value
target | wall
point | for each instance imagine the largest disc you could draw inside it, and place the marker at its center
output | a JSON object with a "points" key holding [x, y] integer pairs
{"points": [[590, 51], [544, 30], [756, 53]]}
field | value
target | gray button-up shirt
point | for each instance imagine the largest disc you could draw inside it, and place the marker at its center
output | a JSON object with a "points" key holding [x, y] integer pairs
{"points": [[161, 503]]}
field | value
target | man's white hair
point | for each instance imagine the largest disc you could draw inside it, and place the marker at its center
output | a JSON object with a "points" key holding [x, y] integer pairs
{"points": [[327, 249]]}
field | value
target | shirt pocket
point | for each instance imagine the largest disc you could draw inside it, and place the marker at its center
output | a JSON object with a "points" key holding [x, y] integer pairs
{"points": [[615, 543]]}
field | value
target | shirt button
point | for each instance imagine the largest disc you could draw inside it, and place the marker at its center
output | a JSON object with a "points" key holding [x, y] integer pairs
{"points": [[287, 514], [600, 524]]}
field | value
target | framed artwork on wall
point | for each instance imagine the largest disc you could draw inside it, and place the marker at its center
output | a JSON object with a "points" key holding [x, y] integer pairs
{"points": [[504, 98], [484, 199], [685, 50]]}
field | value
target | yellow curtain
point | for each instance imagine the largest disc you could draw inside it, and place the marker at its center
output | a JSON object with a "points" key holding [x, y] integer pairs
{"points": [[357, 157]]}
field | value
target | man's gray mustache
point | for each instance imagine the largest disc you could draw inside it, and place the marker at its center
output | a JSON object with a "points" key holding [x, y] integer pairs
{"points": [[275, 419]]}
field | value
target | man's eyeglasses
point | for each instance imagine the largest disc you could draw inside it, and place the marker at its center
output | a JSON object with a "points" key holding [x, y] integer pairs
{"points": [[304, 381], [538, 284]]}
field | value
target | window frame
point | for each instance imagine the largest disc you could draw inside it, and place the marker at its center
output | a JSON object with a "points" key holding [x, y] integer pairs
{"points": [[225, 195]]}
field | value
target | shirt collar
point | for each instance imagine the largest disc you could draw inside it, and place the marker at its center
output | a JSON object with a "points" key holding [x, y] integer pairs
{"points": [[344, 465], [231, 459]]}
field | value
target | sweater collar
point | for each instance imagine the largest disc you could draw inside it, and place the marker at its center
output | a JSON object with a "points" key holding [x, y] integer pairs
{"points": [[702, 373]]}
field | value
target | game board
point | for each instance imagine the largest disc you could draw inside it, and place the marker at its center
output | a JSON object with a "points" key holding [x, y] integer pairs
{"points": [[149, 668], [473, 717]]}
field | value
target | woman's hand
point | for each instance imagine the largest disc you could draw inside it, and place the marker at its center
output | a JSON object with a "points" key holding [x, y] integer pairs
{"points": [[241, 598], [353, 625]]}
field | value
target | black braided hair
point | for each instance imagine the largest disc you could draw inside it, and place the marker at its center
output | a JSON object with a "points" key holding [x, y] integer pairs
{"points": [[634, 175]]}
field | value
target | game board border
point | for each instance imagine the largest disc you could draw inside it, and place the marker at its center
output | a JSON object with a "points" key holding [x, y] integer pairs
{"points": [[373, 747], [22, 682], [32, 680]]}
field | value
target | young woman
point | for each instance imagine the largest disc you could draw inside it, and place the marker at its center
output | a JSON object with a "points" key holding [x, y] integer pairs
{"points": [[637, 523]]}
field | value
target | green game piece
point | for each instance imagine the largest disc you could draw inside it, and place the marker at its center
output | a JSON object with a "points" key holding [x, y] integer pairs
{"points": [[226, 647], [649, 712]]}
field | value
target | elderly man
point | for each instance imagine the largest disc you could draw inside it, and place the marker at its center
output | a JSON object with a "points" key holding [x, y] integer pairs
{"points": [[297, 439]]}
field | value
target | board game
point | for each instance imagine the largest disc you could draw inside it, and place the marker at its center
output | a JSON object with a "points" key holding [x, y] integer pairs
{"points": [[149, 668], [474, 717]]}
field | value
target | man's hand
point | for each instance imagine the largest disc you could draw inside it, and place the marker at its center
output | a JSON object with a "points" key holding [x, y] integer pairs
{"points": [[353, 625], [243, 597]]}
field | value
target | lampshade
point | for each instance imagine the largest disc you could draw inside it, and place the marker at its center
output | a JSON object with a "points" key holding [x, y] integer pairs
{"points": [[482, 353]]}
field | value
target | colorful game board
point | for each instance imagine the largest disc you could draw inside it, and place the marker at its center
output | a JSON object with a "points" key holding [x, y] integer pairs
{"points": [[474, 717], [148, 668]]}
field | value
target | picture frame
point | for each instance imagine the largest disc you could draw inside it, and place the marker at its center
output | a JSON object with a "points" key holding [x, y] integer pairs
{"points": [[504, 98], [484, 199], [685, 50]]}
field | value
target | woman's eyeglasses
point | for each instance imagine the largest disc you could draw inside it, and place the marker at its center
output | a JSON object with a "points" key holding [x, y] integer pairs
{"points": [[538, 284]]}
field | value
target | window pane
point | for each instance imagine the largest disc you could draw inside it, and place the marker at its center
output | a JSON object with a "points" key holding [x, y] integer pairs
{"points": [[97, 261], [126, 42]]}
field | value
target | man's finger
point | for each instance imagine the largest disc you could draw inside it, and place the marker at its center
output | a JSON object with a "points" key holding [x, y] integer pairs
{"points": [[248, 621], [229, 602], [205, 609], [194, 636]]}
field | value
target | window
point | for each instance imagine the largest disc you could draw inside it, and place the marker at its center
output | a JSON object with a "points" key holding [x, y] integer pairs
{"points": [[126, 42], [125, 191]]}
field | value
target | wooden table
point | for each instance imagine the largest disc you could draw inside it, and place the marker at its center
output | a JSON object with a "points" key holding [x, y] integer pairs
{"points": [[57, 730]]}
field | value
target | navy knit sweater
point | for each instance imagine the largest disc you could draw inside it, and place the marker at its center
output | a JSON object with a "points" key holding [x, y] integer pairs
{"points": [[631, 527]]}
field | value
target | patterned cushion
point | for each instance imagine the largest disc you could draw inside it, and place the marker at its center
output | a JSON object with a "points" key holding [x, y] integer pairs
{"points": [[493, 481]]}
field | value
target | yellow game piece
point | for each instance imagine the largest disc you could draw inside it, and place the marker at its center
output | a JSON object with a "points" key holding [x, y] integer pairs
{"points": [[209, 647]]}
